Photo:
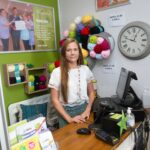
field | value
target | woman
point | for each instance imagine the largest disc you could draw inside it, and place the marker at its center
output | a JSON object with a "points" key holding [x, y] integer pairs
{"points": [[24, 34], [72, 91], [4, 29]]}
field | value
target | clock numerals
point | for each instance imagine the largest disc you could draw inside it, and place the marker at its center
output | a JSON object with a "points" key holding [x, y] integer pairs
{"points": [[124, 41], [144, 40], [134, 40], [143, 34], [125, 46], [125, 36], [133, 51], [128, 50], [133, 30], [139, 49], [129, 31], [143, 45]]}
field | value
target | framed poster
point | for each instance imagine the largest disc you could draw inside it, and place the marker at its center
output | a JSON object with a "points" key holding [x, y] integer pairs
{"points": [[106, 4], [26, 27]]}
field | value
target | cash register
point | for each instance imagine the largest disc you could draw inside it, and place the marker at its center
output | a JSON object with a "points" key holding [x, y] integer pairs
{"points": [[125, 97]]}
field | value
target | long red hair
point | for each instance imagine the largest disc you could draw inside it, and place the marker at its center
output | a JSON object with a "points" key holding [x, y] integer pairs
{"points": [[65, 68]]}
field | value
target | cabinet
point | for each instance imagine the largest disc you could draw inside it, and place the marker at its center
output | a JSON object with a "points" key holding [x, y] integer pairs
{"points": [[15, 74], [37, 80]]}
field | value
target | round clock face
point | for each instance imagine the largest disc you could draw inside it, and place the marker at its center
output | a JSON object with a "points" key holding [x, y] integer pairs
{"points": [[134, 40]]}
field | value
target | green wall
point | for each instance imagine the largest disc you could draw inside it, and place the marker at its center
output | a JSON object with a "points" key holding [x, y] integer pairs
{"points": [[16, 93]]}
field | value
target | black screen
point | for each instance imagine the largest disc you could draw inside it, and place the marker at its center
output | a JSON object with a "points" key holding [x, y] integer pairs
{"points": [[124, 82]]}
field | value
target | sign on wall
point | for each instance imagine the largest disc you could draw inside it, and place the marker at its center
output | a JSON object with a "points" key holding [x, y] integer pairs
{"points": [[106, 4], [26, 27]]}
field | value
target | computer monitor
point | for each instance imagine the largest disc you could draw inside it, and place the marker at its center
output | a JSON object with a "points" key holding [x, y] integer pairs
{"points": [[124, 83]]}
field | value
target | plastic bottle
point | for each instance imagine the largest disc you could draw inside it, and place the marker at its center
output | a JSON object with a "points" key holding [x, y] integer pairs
{"points": [[130, 118]]}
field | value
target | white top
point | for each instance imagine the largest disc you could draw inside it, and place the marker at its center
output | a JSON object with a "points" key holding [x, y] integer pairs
{"points": [[86, 76]]}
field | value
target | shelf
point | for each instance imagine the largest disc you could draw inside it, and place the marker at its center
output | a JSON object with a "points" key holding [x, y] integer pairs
{"points": [[15, 74], [37, 80]]}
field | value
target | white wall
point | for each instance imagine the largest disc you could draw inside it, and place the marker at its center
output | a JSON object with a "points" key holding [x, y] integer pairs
{"points": [[138, 10]]}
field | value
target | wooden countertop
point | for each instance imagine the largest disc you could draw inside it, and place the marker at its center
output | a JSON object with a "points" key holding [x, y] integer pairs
{"points": [[68, 139]]}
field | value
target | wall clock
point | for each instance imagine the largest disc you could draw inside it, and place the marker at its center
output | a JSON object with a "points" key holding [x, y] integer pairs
{"points": [[134, 40]]}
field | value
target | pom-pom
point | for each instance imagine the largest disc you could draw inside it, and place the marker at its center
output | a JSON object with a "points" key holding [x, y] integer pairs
{"points": [[72, 27], [98, 49], [21, 67], [66, 33], [78, 38], [86, 19], [11, 68], [98, 56], [84, 53], [84, 40], [85, 62], [92, 54], [57, 63], [12, 80], [105, 54], [100, 40], [77, 20], [80, 26], [22, 78], [72, 34], [61, 42], [96, 30], [42, 78], [93, 39], [85, 31], [91, 46], [91, 24], [31, 78], [36, 82], [31, 88], [105, 45], [29, 66], [51, 67], [42, 86]]}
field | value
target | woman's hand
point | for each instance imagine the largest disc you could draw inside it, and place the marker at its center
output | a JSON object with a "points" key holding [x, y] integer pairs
{"points": [[86, 113], [78, 119]]}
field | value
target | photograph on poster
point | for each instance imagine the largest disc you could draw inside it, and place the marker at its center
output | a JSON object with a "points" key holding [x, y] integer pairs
{"points": [[26, 27], [106, 4]]}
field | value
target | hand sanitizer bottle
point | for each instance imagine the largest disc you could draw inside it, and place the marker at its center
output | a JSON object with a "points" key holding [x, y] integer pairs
{"points": [[130, 118]]}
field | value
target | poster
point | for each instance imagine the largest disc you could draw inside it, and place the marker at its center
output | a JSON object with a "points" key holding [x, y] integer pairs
{"points": [[26, 27], [106, 4]]}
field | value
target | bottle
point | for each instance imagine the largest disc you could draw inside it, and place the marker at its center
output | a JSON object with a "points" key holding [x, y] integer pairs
{"points": [[130, 118]]}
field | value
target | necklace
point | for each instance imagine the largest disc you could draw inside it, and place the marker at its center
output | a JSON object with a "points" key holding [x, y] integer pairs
{"points": [[79, 84]]}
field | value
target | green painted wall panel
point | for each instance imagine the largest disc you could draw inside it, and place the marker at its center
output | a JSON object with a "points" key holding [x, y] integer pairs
{"points": [[16, 93]]}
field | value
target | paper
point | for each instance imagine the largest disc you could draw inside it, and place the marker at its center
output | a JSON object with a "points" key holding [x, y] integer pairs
{"points": [[20, 25], [12, 131], [117, 19], [108, 68], [31, 143], [47, 141]]}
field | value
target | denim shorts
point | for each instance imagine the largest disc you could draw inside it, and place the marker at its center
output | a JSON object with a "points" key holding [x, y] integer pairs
{"points": [[72, 111]]}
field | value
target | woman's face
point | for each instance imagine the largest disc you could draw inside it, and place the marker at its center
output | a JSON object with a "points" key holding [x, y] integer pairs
{"points": [[72, 52], [3, 13]]}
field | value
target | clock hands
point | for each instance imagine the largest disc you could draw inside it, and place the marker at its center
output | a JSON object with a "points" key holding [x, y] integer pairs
{"points": [[135, 36], [130, 39]]}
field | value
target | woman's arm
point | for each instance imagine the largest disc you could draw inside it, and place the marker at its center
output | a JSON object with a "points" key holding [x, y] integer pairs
{"points": [[91, 95], [60, 109]]}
